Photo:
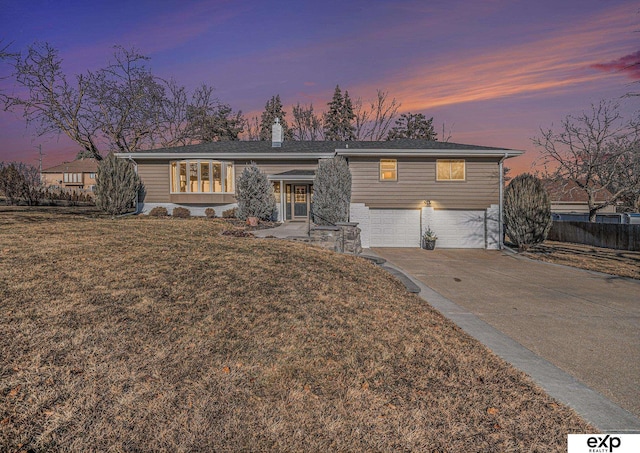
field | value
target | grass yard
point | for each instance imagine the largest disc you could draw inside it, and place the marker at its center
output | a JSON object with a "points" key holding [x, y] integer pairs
{"points": [[141, 334], [623, 263]]}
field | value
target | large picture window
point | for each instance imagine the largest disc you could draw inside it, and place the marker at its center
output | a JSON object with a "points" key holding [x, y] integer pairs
{"points": [[450, 170], [202, 176]]}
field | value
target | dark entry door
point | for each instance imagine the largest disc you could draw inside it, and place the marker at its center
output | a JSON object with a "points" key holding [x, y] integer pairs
{"points": [[300, 201]]}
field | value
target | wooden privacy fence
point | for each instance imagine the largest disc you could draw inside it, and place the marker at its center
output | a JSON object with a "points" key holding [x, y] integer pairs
{"points": [[609, 235]]}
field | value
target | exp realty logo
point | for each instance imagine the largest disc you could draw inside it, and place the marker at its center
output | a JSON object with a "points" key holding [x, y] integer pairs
{"points": [[603, 443]]}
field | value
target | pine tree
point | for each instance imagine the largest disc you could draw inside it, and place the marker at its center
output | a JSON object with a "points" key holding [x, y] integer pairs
{"points": [[527, 211], [414, 127], [117, 185], [338, 121], [347, 129], [255, 194], [333, 116], [332, 191], [272, 110]]}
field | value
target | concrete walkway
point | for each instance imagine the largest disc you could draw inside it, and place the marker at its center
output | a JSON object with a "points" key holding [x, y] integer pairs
{"points": [[284, 231], [570, 330]]}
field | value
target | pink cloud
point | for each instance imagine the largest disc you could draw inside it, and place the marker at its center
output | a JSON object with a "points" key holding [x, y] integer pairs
{"points": [[556, 63], [630, 64]]}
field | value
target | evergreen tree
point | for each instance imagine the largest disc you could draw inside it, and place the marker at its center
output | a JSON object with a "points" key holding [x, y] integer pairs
{"points": [[338, 120], [273, 110], [527, 211], [117, 185], [332, 118], [332, 191], [410, 126], [255, 194], [347, 129]]}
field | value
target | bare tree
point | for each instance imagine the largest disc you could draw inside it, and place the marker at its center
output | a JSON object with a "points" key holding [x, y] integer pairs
{"points": [[127, 101], [589, 150], [5, 54], [49, 102], [373, 121], [627, 169], [20, 181], [446, 135], [307, 125], [209, 120], [414, 127], [120, 107], [253, 129]]}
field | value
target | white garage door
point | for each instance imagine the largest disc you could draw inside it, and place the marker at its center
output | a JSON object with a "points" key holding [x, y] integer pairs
{"points": [[395, 227], [458, 229]]}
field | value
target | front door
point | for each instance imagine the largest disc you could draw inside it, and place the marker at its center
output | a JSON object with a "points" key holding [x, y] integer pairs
{"points": [[300, 202]]}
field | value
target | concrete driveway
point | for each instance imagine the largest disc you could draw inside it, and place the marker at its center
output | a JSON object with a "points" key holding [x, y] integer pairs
{"points": [[585, 323]]}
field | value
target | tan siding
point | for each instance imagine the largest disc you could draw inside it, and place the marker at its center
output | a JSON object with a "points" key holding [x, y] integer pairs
{"points": [[272, 168], [155, 177], [417, 182]]}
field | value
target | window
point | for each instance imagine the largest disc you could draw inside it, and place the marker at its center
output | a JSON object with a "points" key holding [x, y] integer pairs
{"points": [[450, 170], [92, 175], [201, 176], [73, 178], [388, 170], [228, 180]]}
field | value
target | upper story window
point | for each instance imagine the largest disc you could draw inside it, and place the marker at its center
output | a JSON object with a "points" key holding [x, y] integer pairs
{"points": [[202, 176], [92, 175], [450, 170], [388, 170], [72, 177]]}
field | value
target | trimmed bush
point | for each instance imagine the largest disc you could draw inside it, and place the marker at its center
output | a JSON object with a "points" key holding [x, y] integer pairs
{"points": [[210, 213], [159, 211], [255, 194], [230, 213], [332, 191], [181, 213], [527, 211], [117, 185]]}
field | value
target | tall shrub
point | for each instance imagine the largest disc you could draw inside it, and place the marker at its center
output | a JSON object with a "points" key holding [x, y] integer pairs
{"points": [[527, 211], [11, 183], [117, 185], [255, 194], [20, 181], [332, 191]]}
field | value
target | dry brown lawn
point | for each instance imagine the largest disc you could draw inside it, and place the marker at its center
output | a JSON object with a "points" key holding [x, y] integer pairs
{"points": [[609, 261], [142, 334]]}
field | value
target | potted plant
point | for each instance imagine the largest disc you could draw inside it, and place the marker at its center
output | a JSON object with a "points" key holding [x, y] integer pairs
{"points": [[429, 239]]}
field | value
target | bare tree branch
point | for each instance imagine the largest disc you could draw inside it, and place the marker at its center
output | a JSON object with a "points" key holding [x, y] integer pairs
{"points": [[590, 150]]}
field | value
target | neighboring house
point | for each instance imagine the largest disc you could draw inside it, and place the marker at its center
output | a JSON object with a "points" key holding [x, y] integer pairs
{"points": [[399, 188], [77, 175], [568, 198]]}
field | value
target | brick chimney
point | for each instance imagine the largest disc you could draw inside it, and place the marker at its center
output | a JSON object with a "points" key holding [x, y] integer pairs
{"points": [[276, 134]]}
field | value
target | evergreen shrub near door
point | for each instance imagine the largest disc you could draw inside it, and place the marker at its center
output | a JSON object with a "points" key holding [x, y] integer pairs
{"points": [[332, 191], [255, 194]]}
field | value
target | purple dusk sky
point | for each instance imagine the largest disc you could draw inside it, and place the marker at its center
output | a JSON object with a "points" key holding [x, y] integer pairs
{"points": [[493, 71]]}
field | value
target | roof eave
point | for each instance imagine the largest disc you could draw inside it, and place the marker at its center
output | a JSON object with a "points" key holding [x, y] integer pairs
{"points": [[243, 155], [429, 152]]}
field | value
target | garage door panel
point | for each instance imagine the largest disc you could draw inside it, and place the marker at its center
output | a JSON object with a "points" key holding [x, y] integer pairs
{"points": [[459, 229], [395, 227]]}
